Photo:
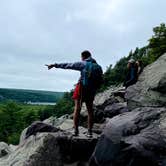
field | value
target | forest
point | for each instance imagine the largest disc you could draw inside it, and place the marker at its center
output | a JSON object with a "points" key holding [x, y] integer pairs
{"points": [[14, 116], [21, 95]]}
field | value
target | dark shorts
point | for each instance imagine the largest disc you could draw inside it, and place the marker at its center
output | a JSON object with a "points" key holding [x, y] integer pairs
{"points": [[83, 94]]}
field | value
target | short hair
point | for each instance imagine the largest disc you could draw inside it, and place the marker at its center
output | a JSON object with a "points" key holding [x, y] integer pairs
{"points": [[86, 54]]}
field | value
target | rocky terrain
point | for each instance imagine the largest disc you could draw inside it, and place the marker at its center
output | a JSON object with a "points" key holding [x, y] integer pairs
{"points": [[128, 131], [138, 137]]}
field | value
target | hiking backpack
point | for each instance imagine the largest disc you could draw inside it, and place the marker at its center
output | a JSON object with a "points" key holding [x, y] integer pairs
{"points": [[92, 76]]}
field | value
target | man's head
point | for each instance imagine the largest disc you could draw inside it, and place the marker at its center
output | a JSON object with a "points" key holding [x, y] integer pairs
{"points": [[85, 54]]}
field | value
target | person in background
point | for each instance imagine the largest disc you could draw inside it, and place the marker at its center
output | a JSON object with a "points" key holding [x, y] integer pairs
{"points": [[140, 67], [85, 89], [131, 77]]}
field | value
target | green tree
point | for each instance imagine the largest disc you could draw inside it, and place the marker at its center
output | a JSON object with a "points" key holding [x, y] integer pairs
{"points": [[157, 43], [65, 105], [46, 112]]}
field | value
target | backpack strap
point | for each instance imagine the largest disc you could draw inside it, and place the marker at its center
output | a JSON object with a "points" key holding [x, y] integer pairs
{"points": [[86, 73]]}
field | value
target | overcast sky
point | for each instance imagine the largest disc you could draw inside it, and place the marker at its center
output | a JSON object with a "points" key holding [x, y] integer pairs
{"points": [[38, 32]]}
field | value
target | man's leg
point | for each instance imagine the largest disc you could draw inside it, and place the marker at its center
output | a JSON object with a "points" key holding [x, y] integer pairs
{"points": [[77, 110], [89, 106]]}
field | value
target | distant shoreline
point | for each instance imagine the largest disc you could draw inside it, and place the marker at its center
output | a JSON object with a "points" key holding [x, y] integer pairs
{"points": [[33, 96], [40, 103]]}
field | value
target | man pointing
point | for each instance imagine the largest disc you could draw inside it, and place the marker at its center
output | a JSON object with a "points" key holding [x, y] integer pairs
{"points": [[89, 82]]}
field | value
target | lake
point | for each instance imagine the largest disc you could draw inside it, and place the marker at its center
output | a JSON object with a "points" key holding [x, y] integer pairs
{"points": [[40, 103]]}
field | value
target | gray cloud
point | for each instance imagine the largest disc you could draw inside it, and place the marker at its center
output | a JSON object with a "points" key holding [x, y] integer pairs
{"points": [[33, 33]]}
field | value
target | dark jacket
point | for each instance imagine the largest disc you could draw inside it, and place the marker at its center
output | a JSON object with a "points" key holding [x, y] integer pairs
{"points": [[79, 66], [131, 77]]}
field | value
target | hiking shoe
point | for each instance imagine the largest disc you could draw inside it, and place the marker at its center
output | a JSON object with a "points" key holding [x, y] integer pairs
{"points": [[76, 133], [89, 134]]}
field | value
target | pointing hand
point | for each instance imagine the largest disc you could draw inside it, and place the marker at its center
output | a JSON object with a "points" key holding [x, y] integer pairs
{"points": [[50, 66]]}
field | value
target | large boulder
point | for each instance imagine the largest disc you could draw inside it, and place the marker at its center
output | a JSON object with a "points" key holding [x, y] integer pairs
{"points": [[62, 123], [54, 121], [109, 103], [115, 109], [52, 149], [109, 110], [133, 139], [150, 90], [35, 128], [111, 95]]}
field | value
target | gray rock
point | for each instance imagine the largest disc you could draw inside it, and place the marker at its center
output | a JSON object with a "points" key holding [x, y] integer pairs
{"points": [[115, 109], [36, 127], [109, 111], [161, 85], [113, 93], [23, 135], [103, 96], [84, 112], [133, 139], [98, 127], [52, 149], [61, 123], [54, 121], [4, 149], [51, 120], [150, 90], [13, 147], [39, 127], [67, 124]]}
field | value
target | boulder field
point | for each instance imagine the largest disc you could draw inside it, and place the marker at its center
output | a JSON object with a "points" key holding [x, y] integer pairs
{"points": [[129, 130]]}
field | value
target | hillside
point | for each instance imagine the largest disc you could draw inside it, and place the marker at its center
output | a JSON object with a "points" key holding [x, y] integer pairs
{"points": [[156, 47], [21, 95]]}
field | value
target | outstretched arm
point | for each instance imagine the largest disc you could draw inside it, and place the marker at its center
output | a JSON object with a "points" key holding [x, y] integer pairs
{"points": [[74, 66]]}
